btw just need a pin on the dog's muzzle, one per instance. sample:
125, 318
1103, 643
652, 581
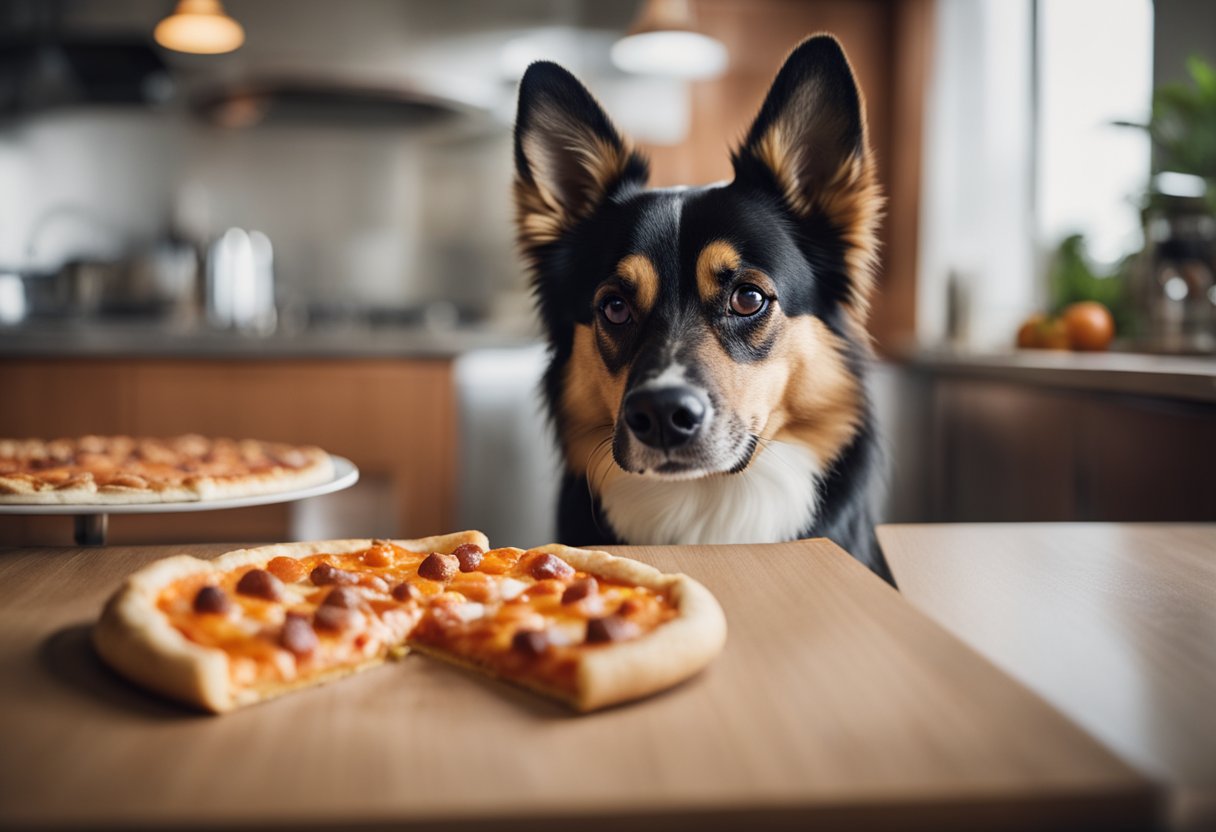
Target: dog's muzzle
665, 417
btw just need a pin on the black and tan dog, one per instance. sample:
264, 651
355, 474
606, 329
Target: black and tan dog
708, 344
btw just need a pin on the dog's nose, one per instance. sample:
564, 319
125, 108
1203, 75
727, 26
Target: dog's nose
665, 417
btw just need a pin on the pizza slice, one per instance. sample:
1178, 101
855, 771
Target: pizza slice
583, 627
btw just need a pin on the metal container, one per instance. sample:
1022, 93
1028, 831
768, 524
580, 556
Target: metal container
240, 282
1177, 290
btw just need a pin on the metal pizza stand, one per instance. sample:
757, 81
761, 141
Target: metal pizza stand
92, 520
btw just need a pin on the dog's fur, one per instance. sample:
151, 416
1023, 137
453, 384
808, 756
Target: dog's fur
782, 442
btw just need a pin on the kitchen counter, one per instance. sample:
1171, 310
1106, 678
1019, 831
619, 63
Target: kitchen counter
1112, 623
1190, 378
835, 704
163, 341
1056, 436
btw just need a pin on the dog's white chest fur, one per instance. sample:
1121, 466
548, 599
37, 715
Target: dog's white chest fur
773, 500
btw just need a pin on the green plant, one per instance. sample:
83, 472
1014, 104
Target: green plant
1183, 123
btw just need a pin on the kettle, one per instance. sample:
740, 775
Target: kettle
239, 291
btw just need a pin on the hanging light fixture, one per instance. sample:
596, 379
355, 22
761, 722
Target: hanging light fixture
201, 27
664, 41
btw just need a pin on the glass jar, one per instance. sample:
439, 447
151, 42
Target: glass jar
1177, 293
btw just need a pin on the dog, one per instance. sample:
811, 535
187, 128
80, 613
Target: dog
708, 348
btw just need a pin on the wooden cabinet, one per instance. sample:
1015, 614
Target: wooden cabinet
394, 418
1003, 451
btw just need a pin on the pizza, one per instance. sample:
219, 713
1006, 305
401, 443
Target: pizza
125, 469
583, 627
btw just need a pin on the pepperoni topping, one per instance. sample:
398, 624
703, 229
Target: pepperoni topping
580, 589
334, 618
609, 628
298, 635
406, 591
548, 566
327, 574
348, 598
260, 584
530, 642
628, 607
212, 599
439, 567
469, 555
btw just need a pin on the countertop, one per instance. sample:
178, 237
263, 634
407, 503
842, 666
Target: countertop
164, 341
1190, 378
1113, 624
835, 704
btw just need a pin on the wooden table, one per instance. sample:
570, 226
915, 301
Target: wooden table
835, 703
1113, 624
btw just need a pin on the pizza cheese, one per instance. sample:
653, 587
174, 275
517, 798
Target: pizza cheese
584, 627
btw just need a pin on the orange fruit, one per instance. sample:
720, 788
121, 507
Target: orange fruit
1040, 332
1028, 333
1089, 324
1053, 335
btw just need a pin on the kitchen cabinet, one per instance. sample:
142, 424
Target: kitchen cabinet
1008, 451
395, 418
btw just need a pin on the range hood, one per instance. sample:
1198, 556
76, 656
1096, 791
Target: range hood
38, 72
313, 101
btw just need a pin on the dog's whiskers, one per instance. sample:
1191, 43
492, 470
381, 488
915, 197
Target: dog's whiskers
765, 442
598, 469
594, 458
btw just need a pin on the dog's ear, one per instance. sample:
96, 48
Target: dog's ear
568, 156
809, 144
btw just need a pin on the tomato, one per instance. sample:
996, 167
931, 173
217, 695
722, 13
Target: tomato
1090, 326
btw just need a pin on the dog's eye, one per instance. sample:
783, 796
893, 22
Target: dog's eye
747, 300
615, 310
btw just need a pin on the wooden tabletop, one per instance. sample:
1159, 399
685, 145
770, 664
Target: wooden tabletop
1114, 624
834, 703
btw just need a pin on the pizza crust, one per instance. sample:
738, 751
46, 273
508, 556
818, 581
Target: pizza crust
109, 495
657, 660
137, 640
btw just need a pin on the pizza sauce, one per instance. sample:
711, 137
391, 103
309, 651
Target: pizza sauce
523, 615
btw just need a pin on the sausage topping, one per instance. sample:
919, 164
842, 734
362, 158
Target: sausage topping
439, 567
469, 555
212, 599
260, 584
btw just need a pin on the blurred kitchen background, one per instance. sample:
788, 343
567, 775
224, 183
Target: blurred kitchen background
306, 235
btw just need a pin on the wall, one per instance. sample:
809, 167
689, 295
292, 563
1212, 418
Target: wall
358, 216
373, 216
111, 165
1181, 28
977, 197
